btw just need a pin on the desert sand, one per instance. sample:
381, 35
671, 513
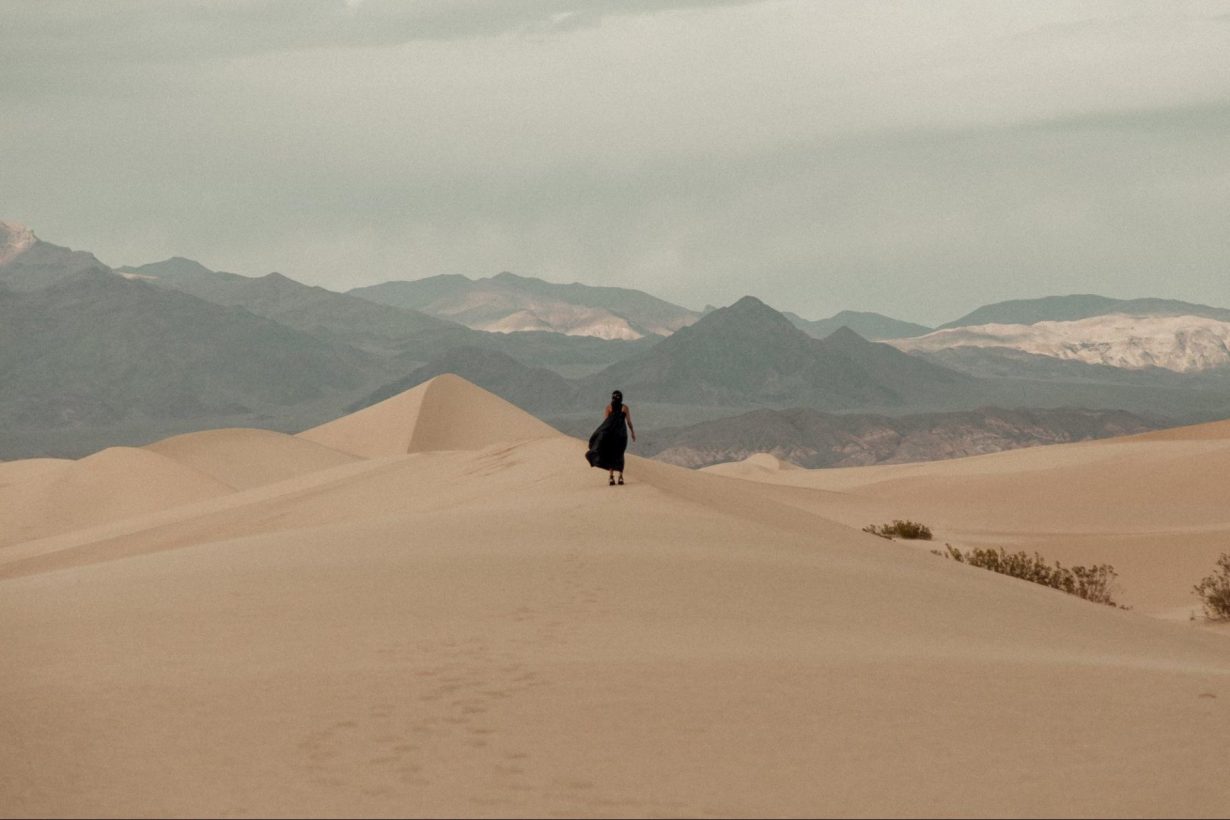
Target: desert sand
434, 607
1154, 506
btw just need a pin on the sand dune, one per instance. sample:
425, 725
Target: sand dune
52, 496
16, 472
444, 413
1152, 505
468, 621
249, 458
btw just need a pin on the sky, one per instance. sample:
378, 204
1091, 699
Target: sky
917, 159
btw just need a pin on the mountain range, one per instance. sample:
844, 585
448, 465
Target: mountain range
809, 438
508, 303
1185, 343
91, 356
28, 263
748, 353
96, 349
310, 309
873, 326
1079, 306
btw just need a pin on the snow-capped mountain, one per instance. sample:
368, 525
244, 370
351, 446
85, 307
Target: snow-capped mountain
507, 303
14, 240
1185, 344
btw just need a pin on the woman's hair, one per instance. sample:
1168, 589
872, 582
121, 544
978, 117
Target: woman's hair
617, 397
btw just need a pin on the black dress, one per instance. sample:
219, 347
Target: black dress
607, 444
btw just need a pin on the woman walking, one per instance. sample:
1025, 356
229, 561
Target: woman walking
607, 444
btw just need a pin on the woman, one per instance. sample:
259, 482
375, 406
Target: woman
607, 444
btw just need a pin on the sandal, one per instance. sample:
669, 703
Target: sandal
621, 480
612, 481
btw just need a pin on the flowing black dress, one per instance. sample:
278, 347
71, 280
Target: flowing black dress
607, 444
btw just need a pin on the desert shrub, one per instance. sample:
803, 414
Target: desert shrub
1214, 590
900, 529
1091, 583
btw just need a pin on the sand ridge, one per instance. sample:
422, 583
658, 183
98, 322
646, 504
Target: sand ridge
486, 628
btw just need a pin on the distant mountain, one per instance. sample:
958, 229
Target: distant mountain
507, 303
1080, 306
1185, 343
813, 439
872, 326
749, 353
534, 389
411, 336
95, 348
1007, 363
28, 263
311, 309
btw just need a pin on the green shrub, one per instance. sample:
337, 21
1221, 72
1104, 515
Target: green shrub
900, 529
1214, 590
1091, 583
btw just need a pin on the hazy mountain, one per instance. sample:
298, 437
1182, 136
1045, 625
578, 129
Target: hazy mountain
508, 303
28, 263
310, 309
1007, 363
97, 349
534, 389
1184, 343
810, 438
871, 326
1080, 306
749, 353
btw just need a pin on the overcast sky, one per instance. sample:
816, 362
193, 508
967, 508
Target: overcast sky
913, 158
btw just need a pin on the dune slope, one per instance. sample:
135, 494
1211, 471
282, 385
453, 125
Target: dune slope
1152, 505
48, 496
473, 623
249, 458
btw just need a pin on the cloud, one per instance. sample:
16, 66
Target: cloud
191, 29
912, 158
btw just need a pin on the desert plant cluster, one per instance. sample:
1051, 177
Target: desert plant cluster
1091, 583
1094, 583
900, 529
1214, 590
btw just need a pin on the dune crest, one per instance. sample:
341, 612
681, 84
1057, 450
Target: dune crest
444, 413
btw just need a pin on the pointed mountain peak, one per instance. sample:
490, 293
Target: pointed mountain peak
749, 303
845, 337
748, 313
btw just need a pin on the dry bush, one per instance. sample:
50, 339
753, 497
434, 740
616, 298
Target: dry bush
1091, 583
1214, 590
900, 529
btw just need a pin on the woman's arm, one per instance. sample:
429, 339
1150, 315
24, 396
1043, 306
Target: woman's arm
628, 418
